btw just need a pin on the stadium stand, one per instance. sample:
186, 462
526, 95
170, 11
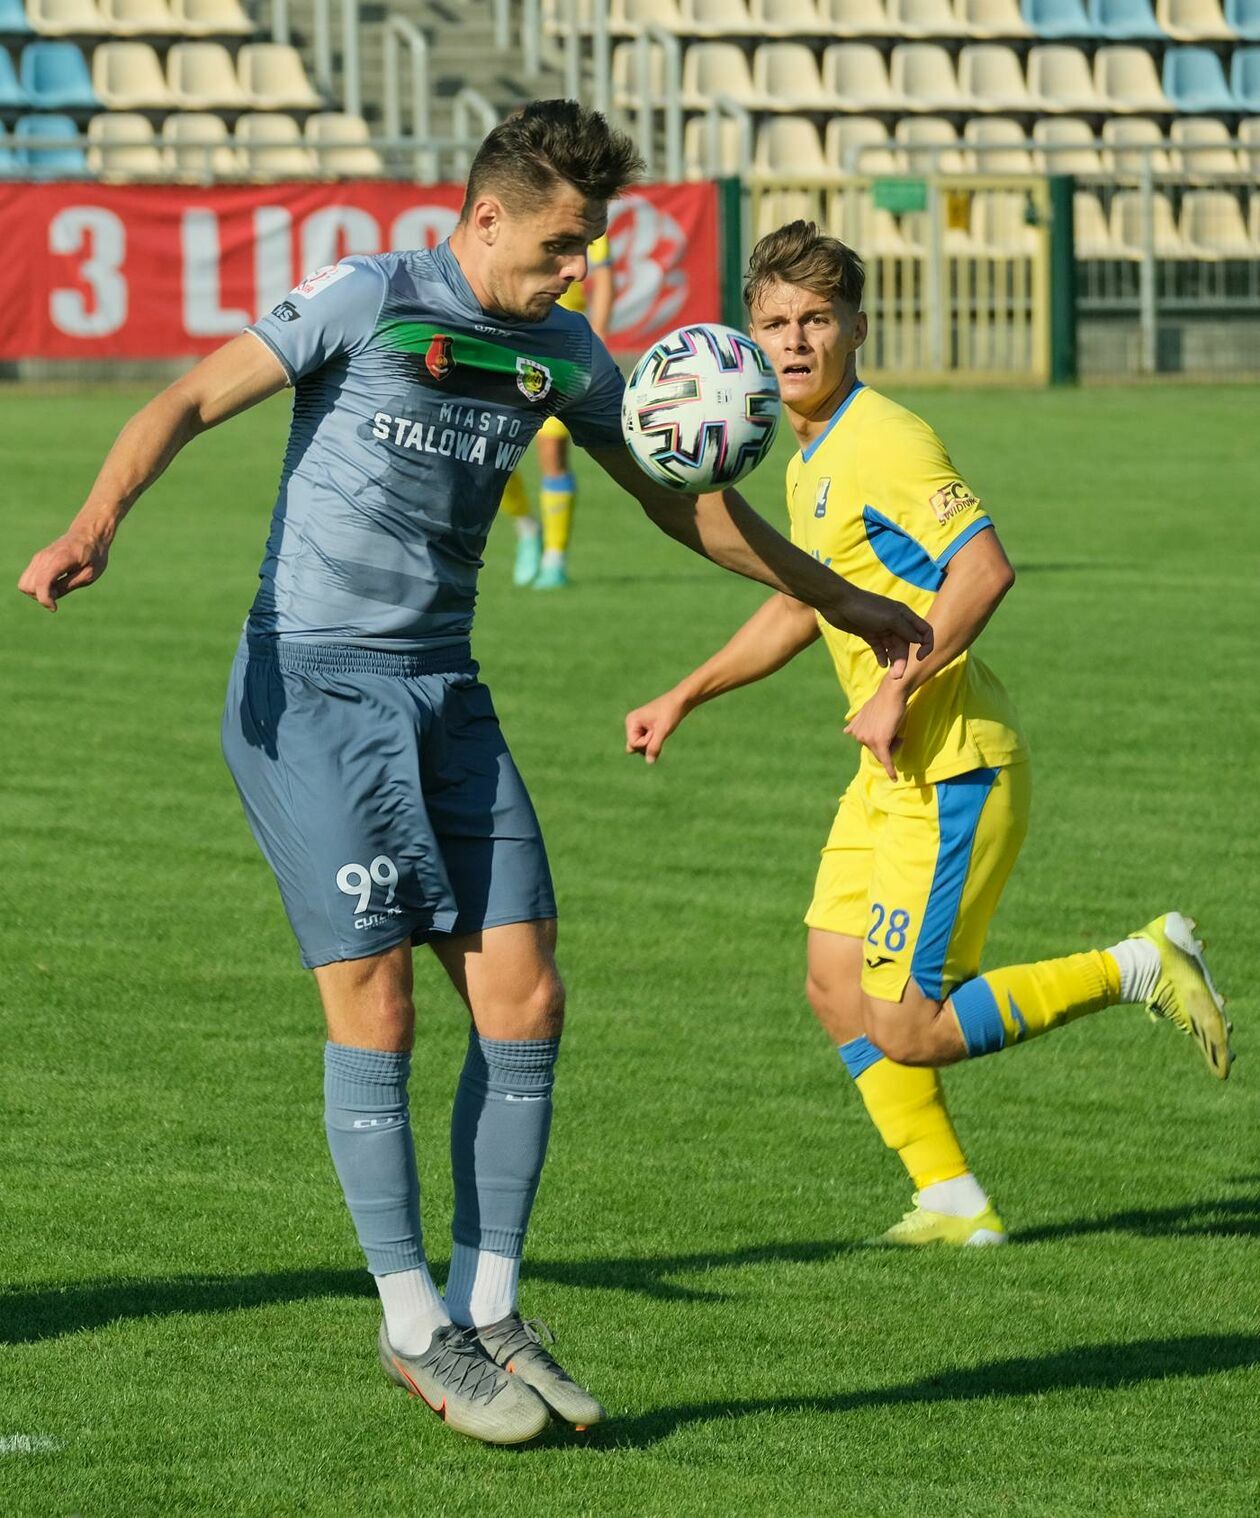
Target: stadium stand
202, 77
1126, 79
210, 18
1058, 18
1125, 21
1194, 21
1201, 149
996, 146
922, 74
64, 159
65, 18
12, 96
1134, 133
1065, 146
138, 18
54, 77
1195, 81
1244, 79
273, 147
127, 76
990, 75
122, 146
1059, 79
1243, 19
340, 142
197, 147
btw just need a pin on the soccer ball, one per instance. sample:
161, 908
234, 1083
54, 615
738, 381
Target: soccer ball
701, 408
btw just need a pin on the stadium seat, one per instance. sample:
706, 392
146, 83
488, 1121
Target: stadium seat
786, 18
1133, 133
871, 231
626, 18
776, 207
855, 71
715, 18
275, 78
1194, 80
922, 74
856, 18
121, 145
1092, 233
138, 18
996, 145
127, 76
625, 74
10, 164
1212, 223
785, 75
57, 162
999, 223
1253, 218
12, 96
1127, 225
696, 148
1196, 21
201, 77
14, 22
717, 68
197, 148
65, 18
790, 145
915, 134
1057, 18
990, 74
1243, 18
925, 18
278, 151
983, 19
1249, 136
1065, 146
54, 76
1125, 20
1244, 76
1201, 148
1059, 79
860, 145
1127, 80
341, 146
211, 18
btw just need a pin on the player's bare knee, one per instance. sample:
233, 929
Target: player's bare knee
898, 1037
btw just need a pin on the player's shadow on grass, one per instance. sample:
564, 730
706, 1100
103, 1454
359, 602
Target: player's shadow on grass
1216, 1218
1090, 1367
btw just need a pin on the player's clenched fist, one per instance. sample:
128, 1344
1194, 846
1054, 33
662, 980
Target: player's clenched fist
647, 727
69, 563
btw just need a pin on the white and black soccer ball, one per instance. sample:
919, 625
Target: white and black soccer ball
701, 408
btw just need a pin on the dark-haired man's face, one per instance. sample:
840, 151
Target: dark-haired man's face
810, 340
529, 258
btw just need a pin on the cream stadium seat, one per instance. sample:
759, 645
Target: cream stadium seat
696, 148
271, 147
925, 18
955, 240
716, 18
273, 77
1127, 80
625, 74
996, 146
999, 222
917, 135
856, 18
1127, 230
717, 68
922, 73
1060, 80
1133, 133
788, 146
211, 18
984, 19
990, 74
1065, 146
197, 148
127, 76
1092, 233
1212, 223
1201, 148
776, 208
340, 144
855, 71
139, 18
121, 146
872, 232
201, 77
626, 18
786, 76
860, 145
1253, 220
65, 18
786, 18
1249, 136
1194, 21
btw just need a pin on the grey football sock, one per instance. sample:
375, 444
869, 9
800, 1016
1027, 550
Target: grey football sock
369, 1133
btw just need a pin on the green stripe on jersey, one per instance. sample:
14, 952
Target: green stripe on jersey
476, 353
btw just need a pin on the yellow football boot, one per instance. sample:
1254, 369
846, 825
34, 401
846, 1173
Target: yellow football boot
919, 1226
1184, 993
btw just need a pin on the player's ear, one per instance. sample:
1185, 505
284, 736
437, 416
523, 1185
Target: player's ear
859, 330
487, 219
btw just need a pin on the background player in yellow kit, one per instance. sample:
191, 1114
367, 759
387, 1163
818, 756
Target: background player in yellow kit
928, 831
541, 555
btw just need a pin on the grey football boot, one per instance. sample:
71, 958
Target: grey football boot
454, 1377
515, 1343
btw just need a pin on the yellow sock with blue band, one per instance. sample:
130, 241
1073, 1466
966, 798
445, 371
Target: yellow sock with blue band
907, 1106
556, 502
1021, 1002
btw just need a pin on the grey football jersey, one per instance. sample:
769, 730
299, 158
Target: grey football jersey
411, 408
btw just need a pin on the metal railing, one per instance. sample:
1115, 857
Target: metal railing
668, 103
400, 33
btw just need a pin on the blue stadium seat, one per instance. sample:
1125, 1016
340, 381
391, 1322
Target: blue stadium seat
1195, 81
14, 21
1125, 20
1244, 17
54, 162
1244, 75
1057, 18
55, 76
12, 95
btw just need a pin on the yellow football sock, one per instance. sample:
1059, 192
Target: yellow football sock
556, 501
515, 499
907, 1106
1018, 1003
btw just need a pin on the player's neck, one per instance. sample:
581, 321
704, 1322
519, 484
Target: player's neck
811, 424
464, 251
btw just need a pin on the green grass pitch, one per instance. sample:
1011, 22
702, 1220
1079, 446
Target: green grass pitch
185, 1325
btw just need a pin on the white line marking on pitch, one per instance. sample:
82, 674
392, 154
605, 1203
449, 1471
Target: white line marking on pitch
28, 1444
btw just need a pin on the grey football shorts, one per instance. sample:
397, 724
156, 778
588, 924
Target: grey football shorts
380, 788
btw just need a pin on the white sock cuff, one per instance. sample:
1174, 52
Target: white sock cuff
1137, 959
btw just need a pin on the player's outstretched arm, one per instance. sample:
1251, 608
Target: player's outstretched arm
775, 633
236, 376
722, 526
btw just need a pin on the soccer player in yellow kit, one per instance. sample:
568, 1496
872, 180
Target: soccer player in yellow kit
542, 557
928, 831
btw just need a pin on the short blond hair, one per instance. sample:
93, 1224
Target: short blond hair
800, 254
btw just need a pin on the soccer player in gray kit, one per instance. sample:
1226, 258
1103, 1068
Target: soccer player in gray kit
367, 752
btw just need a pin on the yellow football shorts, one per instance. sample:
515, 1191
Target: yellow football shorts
553, 427
916, 872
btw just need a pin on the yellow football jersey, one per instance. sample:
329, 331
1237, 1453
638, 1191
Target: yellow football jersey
597, 255
878, 499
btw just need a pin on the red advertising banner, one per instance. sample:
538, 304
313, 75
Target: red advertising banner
167, 271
